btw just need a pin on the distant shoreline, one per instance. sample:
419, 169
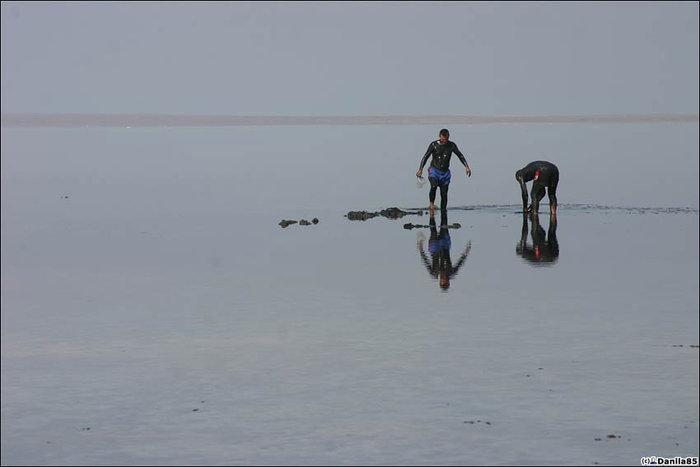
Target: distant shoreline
36, 120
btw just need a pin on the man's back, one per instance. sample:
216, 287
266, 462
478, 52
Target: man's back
539, 170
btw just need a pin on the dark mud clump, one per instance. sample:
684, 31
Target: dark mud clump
361, 215
389, 213
287, 222
410, 226
284, 223
396, 213
611, 436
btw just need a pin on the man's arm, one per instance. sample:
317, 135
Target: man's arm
462, 258
523, 192
462, 159
419, 173
424, 257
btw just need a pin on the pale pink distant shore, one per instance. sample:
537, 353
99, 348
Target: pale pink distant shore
149, 120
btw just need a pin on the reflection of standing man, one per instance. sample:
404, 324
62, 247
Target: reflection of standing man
545, 248
440, 266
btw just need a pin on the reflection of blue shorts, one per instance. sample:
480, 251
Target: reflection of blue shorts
442, 177
441, 243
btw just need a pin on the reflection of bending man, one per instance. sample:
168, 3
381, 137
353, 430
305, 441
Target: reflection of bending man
545, 248
440, 267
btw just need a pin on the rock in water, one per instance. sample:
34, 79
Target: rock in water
286, 222
361, 215
396, 213
389, 213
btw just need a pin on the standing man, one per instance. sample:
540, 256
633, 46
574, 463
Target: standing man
543, 175
439, 171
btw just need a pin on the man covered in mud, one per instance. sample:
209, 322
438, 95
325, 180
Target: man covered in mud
440, 266
439, 174
543, 175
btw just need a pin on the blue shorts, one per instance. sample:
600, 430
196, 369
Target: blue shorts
441, 243
442, 177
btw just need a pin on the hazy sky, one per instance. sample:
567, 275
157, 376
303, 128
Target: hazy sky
354, 58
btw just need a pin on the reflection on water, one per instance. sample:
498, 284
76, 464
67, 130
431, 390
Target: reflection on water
440, 264
545, 247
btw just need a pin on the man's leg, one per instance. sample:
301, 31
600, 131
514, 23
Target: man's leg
432, 193
552, 192
537, 194
443, 219
443, 196
433, 229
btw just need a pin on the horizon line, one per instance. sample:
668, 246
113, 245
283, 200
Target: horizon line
150, 120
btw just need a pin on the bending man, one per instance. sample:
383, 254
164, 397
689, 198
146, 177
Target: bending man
543, 175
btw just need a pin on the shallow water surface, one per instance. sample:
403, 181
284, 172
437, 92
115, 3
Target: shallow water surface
204, 342
144, 325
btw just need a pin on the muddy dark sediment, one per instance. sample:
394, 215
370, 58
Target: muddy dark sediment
389, 213
287, 222
410, 226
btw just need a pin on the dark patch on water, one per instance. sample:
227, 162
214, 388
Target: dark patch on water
587, 208
390, 213
287, 222
411, 225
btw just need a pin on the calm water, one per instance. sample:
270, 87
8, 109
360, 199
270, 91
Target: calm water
153, 312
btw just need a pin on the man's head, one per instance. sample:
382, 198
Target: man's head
444, 135
444, 281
